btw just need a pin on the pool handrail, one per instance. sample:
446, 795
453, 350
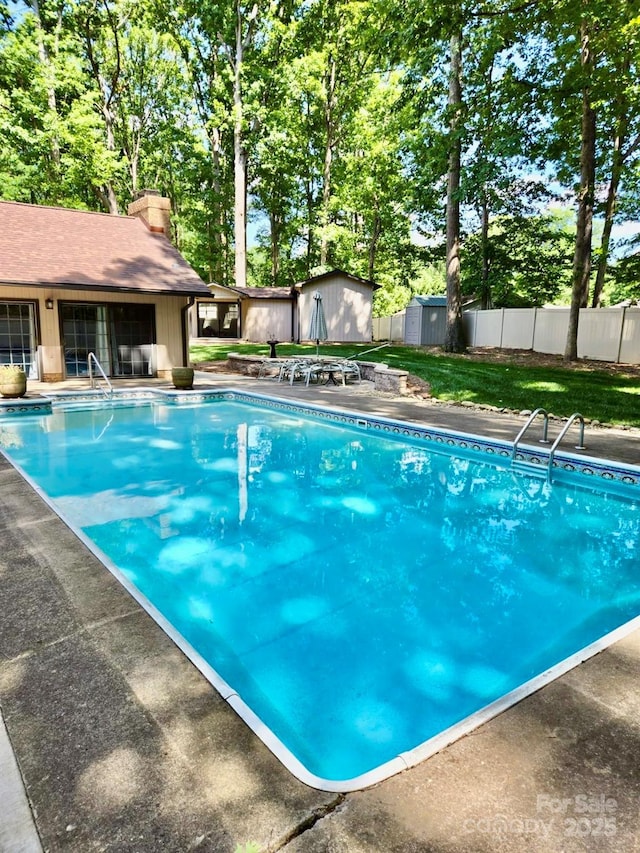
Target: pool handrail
576, 416
530, 420
93, 358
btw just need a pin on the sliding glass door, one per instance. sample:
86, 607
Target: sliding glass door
120, 335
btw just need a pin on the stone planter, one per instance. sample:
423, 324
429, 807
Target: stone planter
182, 377
13, 382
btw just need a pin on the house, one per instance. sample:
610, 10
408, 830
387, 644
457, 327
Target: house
284, 313
74, 282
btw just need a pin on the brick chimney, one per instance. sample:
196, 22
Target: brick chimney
154, 210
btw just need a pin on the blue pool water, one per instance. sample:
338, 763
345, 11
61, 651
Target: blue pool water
360, 593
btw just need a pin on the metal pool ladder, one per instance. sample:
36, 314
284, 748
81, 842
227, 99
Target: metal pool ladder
93, 359
576, 416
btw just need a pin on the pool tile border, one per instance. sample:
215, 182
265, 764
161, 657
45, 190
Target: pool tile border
451, 440
527, 458
11, 408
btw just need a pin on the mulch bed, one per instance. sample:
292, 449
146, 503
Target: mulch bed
528, 358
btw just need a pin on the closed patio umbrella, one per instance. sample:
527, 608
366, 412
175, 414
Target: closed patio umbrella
318, 324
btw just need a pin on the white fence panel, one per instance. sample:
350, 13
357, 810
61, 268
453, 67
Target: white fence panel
630, 343
389, 328
551, 330
599, 333
398, 322
381, 328
605, 334
488, 331
469, 326
518, 326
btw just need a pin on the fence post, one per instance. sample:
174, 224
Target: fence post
620, 339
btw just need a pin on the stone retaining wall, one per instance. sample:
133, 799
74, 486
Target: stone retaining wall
384, 378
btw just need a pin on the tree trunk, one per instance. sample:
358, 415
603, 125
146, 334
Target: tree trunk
108, 191
219, 236
617, 162
485, 284
329, 118
239, 163
274, 225
49, 75
454, 336
373, 244
584, 224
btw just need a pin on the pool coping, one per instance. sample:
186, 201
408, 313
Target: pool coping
449, 440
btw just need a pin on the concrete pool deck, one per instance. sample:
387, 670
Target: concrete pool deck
122, 745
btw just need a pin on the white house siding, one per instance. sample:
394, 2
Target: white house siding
50, 354
347, 306
266, 319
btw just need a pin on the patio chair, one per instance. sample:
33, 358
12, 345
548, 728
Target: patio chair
311, 370
350, 368
290, 369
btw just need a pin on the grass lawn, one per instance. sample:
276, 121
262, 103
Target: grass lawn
598, 394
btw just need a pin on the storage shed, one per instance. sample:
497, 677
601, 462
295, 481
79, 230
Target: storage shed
284, 313
348, 306
426, 321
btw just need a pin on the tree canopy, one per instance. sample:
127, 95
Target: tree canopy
386, 137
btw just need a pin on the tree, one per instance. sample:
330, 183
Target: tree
529, 259
454, 335
621, 128
584, 224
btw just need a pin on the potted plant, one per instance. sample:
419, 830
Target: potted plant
13, 381
182, 377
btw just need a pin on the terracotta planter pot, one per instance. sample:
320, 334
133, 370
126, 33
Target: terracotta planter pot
14, 385
182, 377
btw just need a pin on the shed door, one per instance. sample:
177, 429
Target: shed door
413, 324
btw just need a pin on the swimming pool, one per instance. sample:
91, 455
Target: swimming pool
360, 591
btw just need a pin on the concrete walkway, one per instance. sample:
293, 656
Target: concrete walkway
124, 746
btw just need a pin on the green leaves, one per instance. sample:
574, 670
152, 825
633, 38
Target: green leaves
342, 121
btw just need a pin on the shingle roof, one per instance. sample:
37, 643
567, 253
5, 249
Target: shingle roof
431, 301
337, 272
55, 246
264, 292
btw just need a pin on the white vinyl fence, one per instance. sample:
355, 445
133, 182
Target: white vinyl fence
604, 334
389, 328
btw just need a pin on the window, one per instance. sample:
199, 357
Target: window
218, 319
17, 336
